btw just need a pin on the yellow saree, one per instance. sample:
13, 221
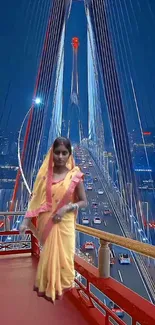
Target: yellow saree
55, 273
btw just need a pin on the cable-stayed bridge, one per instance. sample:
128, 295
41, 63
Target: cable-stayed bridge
47, 115
101, 74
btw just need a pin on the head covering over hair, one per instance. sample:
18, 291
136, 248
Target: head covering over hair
41, 198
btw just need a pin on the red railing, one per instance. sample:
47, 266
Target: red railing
22, 246
139, 309
16, 247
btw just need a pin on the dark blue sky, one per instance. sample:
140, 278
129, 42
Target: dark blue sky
132, 26
22, 29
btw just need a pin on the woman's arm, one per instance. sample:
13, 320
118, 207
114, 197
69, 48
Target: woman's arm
81, 203
81, 194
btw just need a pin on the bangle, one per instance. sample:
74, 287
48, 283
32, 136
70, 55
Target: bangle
72, 207
75, 206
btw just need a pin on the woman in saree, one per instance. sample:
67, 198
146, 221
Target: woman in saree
57, 195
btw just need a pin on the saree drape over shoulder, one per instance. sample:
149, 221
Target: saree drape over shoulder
55, 273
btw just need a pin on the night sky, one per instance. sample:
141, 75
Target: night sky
23, 24
132, 25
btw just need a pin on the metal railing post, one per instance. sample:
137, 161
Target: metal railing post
104, 259
7, 223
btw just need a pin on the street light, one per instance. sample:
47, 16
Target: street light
38, 101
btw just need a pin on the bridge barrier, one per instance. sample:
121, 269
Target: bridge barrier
140, 310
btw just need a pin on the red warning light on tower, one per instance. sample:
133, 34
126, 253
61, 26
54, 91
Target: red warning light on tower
75, 43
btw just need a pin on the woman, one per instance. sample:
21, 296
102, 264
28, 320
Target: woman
58, 194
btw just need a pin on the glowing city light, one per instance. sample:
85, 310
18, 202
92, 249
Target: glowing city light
143, 170
37, 100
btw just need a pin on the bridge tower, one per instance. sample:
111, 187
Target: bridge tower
74, 121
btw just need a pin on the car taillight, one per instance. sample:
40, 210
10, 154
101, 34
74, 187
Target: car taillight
116, 310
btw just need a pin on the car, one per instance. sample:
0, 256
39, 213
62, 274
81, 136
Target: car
107, 211
116, 309
85, 220
89, 245
100, 192
90, 183
87, 173
89, 188
95, 179
94, 205
97, 221
84, 167
90, 164
124, 258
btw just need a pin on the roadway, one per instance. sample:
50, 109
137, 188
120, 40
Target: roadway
128, 275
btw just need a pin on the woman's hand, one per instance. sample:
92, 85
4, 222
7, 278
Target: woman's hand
62, 211
59, 215
57, 218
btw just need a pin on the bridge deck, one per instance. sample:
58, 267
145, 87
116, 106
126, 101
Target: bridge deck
20, 305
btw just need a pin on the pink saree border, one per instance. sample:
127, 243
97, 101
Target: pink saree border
43, 208
65, 200
43, 294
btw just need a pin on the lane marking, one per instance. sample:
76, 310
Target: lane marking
113, 252
120, 275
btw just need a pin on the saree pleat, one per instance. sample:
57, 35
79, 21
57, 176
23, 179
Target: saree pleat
55, 271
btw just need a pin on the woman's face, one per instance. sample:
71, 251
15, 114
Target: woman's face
60, 156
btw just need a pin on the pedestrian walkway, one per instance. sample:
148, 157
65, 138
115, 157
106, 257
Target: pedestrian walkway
19, 305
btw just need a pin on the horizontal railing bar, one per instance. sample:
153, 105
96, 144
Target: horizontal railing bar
12, 213
133, 245
14, 232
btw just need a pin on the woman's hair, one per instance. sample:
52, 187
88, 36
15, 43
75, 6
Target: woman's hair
65, 141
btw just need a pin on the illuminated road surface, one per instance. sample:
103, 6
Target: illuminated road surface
128, 275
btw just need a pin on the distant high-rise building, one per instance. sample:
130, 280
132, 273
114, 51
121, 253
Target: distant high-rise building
8, 159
